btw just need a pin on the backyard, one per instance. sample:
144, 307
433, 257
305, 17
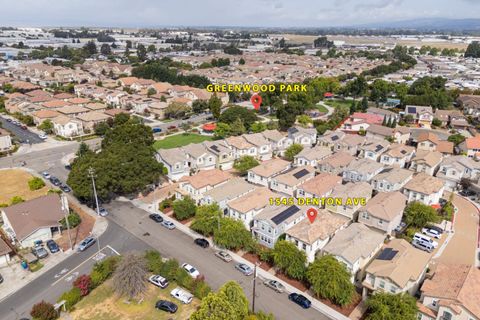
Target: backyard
103, 304
180, 140
14, 182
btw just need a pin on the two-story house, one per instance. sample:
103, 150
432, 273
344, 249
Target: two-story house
336, 163
303, 136
362, 170
311, 156
265, 171
398, 155
471, 146
175, 161
455, 168
398, 134
391, 179
330, 138
289, 181
429, 142
347, 199
421, 114
67, 127
351, 144
424, 188
195, 186
373, 149
426, 161
198, 157
241, 147
264, 147
224, 155
279, 142
231, 190
321, 186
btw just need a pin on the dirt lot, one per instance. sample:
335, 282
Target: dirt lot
14, 182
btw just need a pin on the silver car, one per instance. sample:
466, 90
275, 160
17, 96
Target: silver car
168, 224
224, 256
245, 269
275, 285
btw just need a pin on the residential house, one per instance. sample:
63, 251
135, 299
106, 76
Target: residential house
263, 146
311, 156
360, 122
445, 116
274, 221
67, 127
265, 171
387, 115
245, 208
330, 138
362, 170
278, 141
45, 114
421, 114
303, 136
289, 181
5, 141
398, 134
336, 163
455, 168
175, 161
221, 195
470, 104
384, 211
424, 188
429, 141
92, 118
398, 155
351, 144
391, 179
459, 122
450, 293
321, 186
195, 186
426, 161
399, 268
471, 146
373, 149
351, 197
241, 147
224, 155
5, 252
72, 111
34, 220
312, 237
198, 157
354, 247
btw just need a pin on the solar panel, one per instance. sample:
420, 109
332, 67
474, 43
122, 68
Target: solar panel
285, 214
403, 152
301, 173
378, 147
387, 254
412, 110
215, 148
293, 130
335, 138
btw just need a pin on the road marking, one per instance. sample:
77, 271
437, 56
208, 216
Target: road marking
115, 251
61, 273
99, 256
71, 277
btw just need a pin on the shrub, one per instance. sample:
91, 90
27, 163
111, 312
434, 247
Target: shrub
154, 261
201, 289
169, 269
184, 209
44, 311
97, 279
84, 283
73, 220
36, 183
105, 268
265, 254
16, 200
71, 297
184, 279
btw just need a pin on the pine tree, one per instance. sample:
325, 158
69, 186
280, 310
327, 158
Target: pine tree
389, 122
384, 122
394, 123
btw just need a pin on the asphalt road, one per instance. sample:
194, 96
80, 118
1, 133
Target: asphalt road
24, 136
177, 123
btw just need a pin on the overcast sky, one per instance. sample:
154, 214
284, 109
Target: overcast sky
269, 13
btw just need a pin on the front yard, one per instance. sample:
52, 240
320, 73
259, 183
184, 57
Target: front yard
180, 140
103, 304
14, 182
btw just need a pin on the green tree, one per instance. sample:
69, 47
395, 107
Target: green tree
152, 49
473, 50
286, 115
330, 279
236, 297
387, 306
141, 52
364, 104
237, 128
288, 258
258, 127
154, 261
356, 87
151, 92
215, 106
128, 44
241, 61
90, 48
436, 122
16, 200
35, 183
199, 106
222, 130
46, 126
232, 234
207, 219
419, 215
184, 208
245, 163
292, 151
101, 128
304, 120
456, 138
105, 49
215, 306
231, 114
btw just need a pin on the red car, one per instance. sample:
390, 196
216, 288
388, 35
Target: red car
172, 127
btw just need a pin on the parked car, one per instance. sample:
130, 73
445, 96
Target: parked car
46, 175
167, 306
86, 243
299, 299
400, 227
201, 242
55, 181
431, 233
245, 269
438, 229
103, 212
42, 136
159, 281
182, 295
157, 130
422, 245
9, 120
168, 224
224, 256
24, 127
39, 252
172, 127
192, 271
423, 238
68, 167
275, 285
65, 188
52, 246
156, 217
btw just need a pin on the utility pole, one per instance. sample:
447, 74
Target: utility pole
91, 174
254, 285
66, 213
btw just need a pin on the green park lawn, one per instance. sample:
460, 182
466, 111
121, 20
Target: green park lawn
180, 140
338, 103
321, 108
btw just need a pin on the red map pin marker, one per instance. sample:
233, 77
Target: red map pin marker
312, 214
256, 100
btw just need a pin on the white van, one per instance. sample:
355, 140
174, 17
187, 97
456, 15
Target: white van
425, 246
183, 295
423, 238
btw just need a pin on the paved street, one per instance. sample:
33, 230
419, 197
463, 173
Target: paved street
21, 134
194, 119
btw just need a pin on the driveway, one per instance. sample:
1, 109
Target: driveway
462, 247
21, 134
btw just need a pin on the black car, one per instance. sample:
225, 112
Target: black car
156, 217
65, 188
201, 242
438, 229
166, 306
301, 300
52, 246
55, 181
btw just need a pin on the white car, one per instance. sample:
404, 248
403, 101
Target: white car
431, 233
159, 281
46, 175
42, 136
192, 271
182, 295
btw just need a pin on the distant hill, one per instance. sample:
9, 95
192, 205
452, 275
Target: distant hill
428, 24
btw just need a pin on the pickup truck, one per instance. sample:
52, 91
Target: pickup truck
182, 295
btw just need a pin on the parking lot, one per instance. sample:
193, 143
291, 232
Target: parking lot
22, 135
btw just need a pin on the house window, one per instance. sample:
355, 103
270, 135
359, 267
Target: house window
393, 289
434, 302
365, 215
304, 246
446, 315
382, 284
380, 221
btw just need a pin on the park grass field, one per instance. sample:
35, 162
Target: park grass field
180, 140
14, 182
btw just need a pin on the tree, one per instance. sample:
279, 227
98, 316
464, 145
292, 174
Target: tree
215, 306
330, 279
237, 128
44, 311
152, 49
84, 283
215, 105
176, 110
101, 128
199, 106
322, 42
364, 104
436, 122
128, 44
419, 215
90, 48
286, 116
245, 163
206, 219
46, 126
356, 87
292, 151
231, 114
258, 127
105, 49
222, 130
288, 258
241, 61
151, 92
35, 184
387, 306
473, 50
130, 277
232, 234
456, 138
141, 52
184, 208
236, 297
304, 120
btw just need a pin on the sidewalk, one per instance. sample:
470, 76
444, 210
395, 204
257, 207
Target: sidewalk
262, 274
